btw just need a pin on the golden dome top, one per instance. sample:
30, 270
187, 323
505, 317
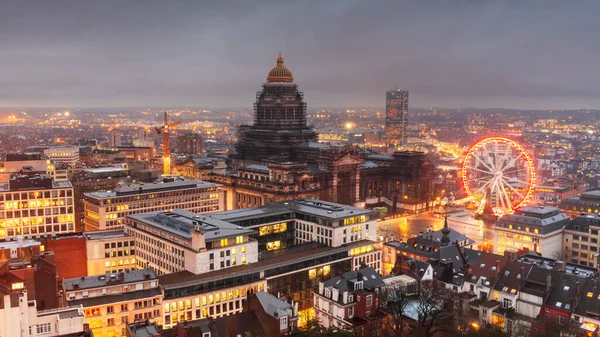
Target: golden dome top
280, 73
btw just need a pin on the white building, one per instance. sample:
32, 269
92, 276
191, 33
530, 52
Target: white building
65, 154
537, 228
169, 242
289, 223
35, 206
19, 317
107, 210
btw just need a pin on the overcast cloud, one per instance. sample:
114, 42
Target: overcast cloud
448, 53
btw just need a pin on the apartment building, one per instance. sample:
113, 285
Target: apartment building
109, 252
111, 301
534, 228
35, 205
19, 317
107, 210
581, 240
169, 242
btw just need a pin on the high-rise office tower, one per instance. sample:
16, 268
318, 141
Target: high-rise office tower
396, 116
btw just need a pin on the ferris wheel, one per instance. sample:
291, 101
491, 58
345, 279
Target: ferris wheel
500, 171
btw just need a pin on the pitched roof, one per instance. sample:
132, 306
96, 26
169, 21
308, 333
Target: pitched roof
566, 292
512, 277
273, 306
368, 276
589, 303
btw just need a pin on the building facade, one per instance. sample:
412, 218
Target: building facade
581, 240
107, 210
109, 252
112, 301
351, 301
396, 116
35, 205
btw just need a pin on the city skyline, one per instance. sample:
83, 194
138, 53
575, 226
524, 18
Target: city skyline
464, 54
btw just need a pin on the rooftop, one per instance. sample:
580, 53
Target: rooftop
318, 208
98, 281
182, 223
134, 189
104, 234
100, 170
273, 306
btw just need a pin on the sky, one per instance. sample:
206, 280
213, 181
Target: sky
533, 54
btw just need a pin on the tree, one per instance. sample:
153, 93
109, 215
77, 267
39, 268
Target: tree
395, 302
436, 308
433, 310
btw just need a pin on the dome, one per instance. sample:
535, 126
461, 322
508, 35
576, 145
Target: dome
280, 73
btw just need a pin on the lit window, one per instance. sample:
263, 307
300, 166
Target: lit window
224, 242
18, 285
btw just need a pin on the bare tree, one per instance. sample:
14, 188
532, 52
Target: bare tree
436, 308
394, 302
432, 310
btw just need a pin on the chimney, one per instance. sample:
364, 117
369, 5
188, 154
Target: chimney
578, 290
560, 265
522, 273
497, 267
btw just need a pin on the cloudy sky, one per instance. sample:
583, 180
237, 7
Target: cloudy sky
449, 53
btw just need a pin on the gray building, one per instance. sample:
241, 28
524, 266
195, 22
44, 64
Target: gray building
536, 228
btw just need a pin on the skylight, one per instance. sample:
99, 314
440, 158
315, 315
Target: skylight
566, 288
482, 265
567, 306
365, 278
506, 273
559, 304
590, 294
338, 281
513, 291
373, 276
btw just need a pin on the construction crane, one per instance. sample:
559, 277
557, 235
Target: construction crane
166, 142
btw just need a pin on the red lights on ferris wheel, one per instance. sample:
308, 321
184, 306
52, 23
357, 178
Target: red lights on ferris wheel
502, 168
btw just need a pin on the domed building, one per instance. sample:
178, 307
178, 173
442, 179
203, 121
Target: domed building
279, 121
